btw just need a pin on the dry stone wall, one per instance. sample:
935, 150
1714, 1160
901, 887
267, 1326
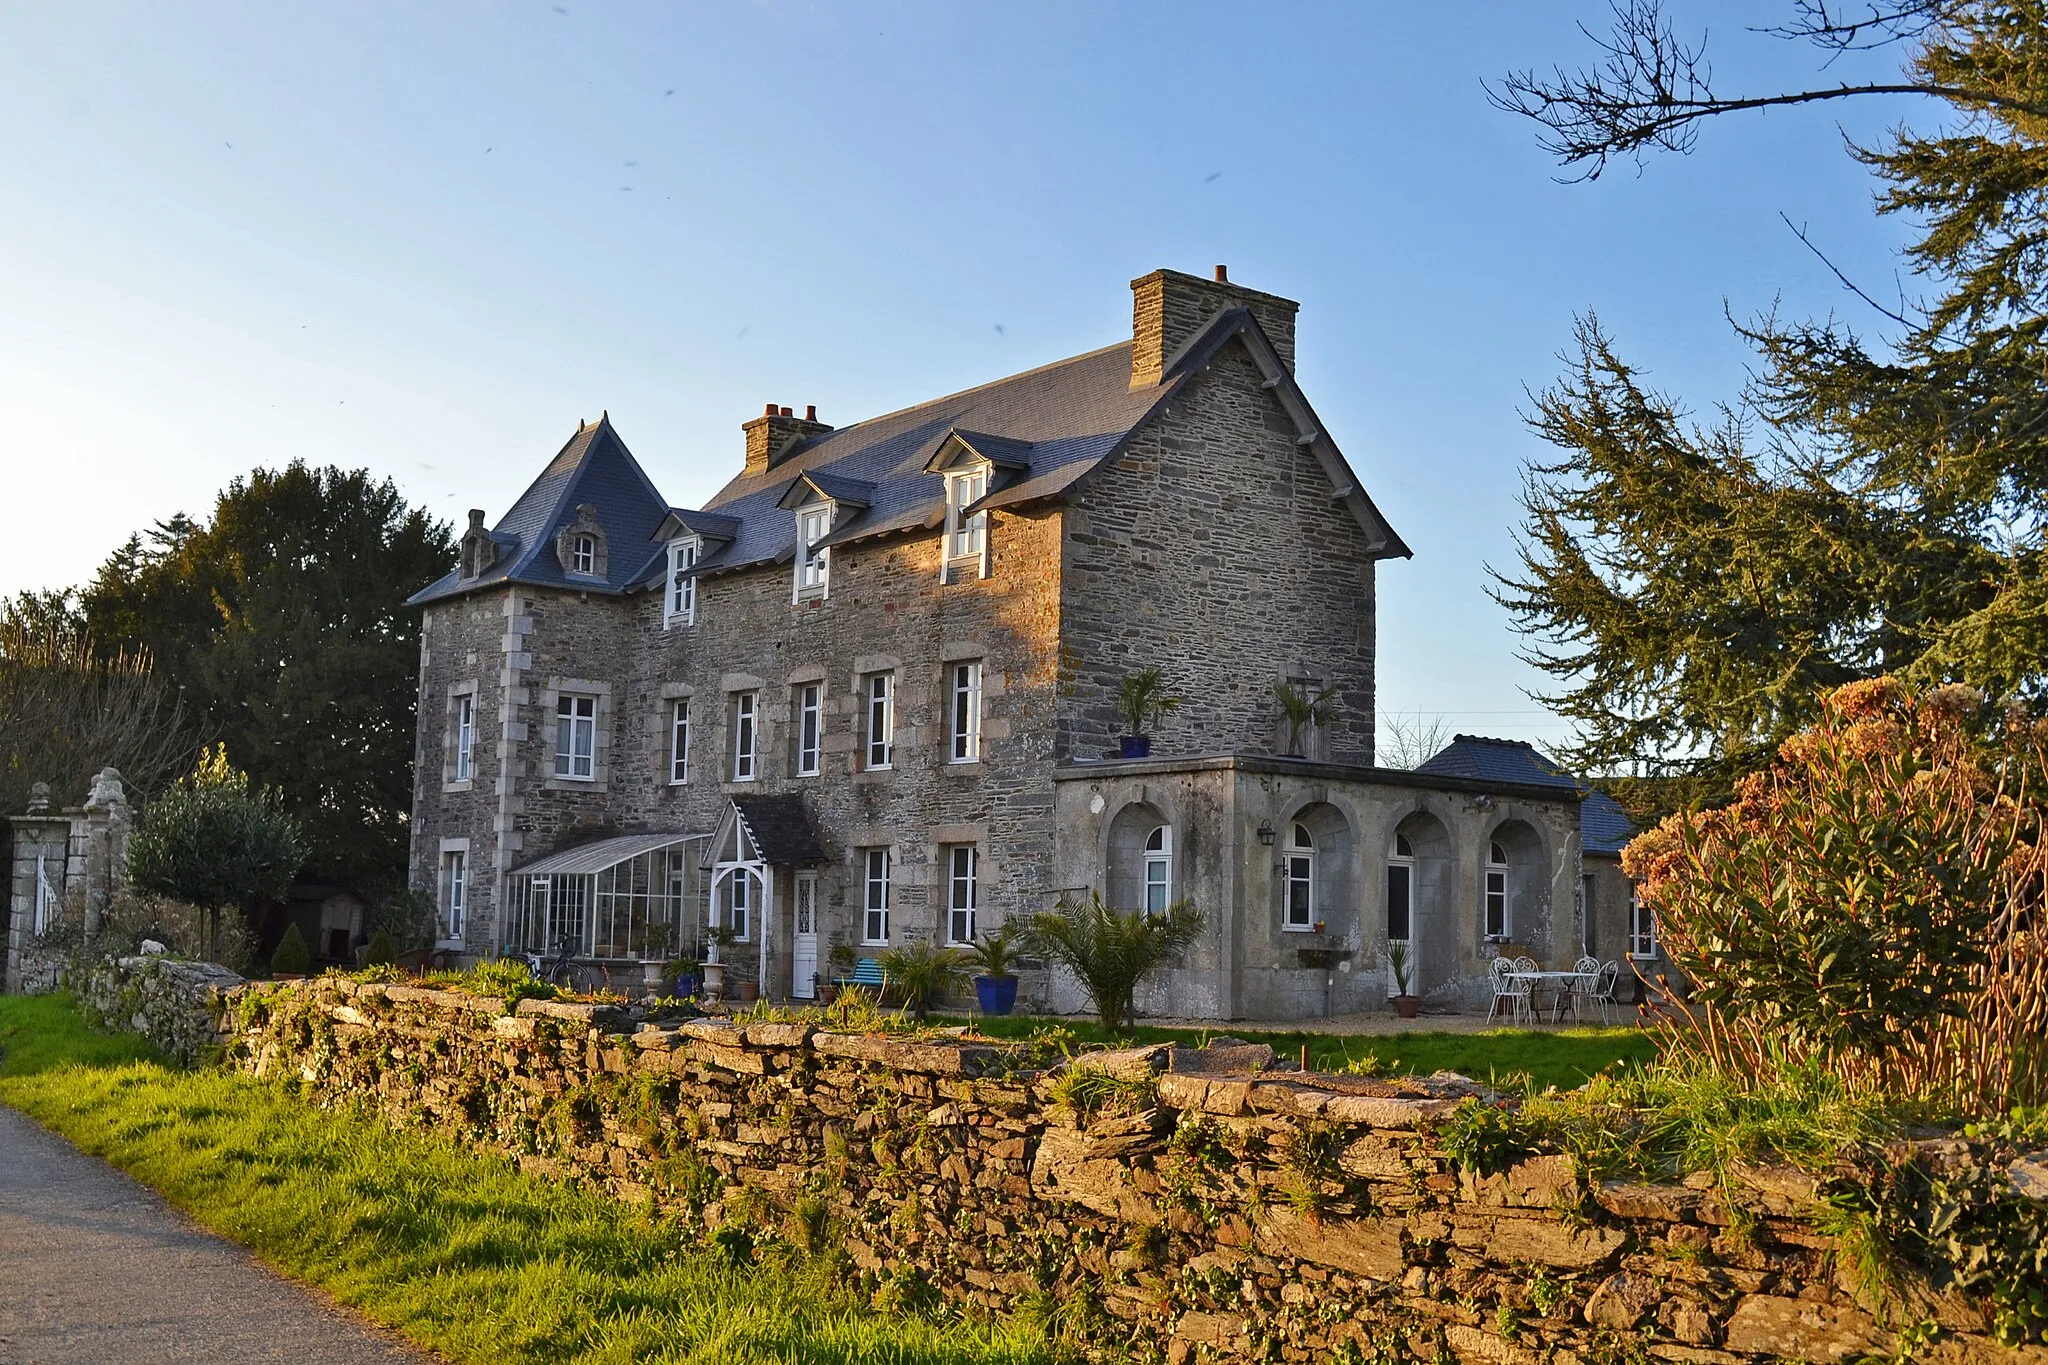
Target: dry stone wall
1182, 1205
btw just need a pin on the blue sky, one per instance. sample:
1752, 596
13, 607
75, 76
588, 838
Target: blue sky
427, 239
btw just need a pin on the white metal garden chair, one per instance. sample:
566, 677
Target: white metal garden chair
1509, 993
1601, 991
1584, 976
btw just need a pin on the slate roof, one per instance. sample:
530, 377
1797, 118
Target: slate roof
1604, 827
1045, 431
782, 830
1497, 760
1067, 415
593, 467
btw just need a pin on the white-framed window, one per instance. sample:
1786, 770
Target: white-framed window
576, 736
874, 920
679, 742
967, 533
1159, 870
966, 713
810, 728
739, 905
1499, 923
746, 738
1642, 928
813, 564
682, 590
881, 691
454, 892
465, 735
1300, 862
963, 892
583, 554
1401, 891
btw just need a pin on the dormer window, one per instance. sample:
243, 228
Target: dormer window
813, 562
681, 605
580, 546
966, 541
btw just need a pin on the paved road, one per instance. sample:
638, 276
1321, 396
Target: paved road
94, 1269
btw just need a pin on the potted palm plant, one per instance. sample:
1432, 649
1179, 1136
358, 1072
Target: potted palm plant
1304, 711
1142, 701
995, 988
1405, 1004
923, 973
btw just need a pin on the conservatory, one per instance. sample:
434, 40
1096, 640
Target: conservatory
634, 897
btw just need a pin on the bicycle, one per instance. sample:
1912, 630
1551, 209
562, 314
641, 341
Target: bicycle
556, 968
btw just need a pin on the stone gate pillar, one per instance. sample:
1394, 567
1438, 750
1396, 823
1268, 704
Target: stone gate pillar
37, 866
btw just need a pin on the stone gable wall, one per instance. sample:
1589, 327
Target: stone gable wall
1213, 548
1229, 1211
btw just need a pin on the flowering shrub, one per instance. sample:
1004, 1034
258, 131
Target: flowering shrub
1872, 902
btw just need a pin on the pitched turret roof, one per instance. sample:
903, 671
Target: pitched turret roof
594, 467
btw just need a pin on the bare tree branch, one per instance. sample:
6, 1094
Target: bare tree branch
1847, 283
1649, 90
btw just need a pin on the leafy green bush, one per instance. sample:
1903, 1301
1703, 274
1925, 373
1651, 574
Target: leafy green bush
1868, 902
381, 951
1111, 950
212, 841
291, 957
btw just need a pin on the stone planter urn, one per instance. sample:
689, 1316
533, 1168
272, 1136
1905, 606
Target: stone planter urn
714, 980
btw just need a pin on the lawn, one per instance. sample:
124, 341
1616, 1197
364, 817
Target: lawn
1565, 1058
454, 1248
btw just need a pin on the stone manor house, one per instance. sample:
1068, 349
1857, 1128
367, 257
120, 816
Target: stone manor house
866, 695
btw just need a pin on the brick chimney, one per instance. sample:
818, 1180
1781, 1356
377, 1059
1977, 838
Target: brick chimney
770, 435
1168, 307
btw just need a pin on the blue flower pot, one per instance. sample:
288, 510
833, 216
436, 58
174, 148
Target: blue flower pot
1134, 746
687, 985
996, 994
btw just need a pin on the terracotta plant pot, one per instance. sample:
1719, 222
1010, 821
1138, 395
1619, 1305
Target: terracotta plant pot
1407, 1006
828, 991
749, 991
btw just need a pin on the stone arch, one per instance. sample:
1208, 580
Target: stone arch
1130, 831
1515, 857
1433, 924
1332, 845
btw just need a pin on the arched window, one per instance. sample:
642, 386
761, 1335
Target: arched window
1300, 912
583, 556
1158, 890
1401, 891
1498, 922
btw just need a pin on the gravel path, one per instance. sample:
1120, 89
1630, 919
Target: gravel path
95, 1268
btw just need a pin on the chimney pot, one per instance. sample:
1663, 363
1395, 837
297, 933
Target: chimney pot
1223, 274
768, 411
810, 412
787, 413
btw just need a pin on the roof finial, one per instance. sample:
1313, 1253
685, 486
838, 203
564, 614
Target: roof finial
579, 424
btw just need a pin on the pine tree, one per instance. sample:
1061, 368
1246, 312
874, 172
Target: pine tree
1868, 507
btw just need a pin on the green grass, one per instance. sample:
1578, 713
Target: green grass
1564, 1058
454, 1248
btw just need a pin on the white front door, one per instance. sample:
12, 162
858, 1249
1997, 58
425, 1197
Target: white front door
803, 954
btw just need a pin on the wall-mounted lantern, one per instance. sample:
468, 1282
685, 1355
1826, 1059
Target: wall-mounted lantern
1266, 833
